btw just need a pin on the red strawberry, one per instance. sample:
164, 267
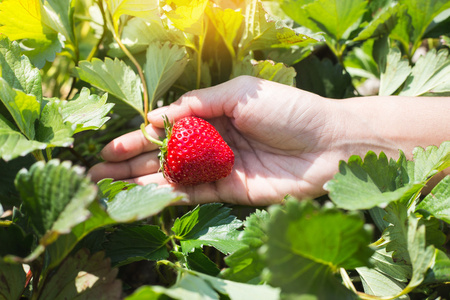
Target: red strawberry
194, 153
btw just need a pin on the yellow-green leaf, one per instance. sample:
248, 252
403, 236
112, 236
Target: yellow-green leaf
266, 69
262, 33
24, 109
25, 22
27, 19
146, 9
188, 15
227, 23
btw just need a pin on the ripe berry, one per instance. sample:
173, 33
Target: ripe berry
194, 153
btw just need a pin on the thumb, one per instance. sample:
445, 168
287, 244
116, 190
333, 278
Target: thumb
206, 103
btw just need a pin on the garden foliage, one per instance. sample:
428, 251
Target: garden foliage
77, 73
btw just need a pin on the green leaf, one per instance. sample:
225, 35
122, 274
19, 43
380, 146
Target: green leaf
359, 61
377, 214
195, 285
60, 15
396, 233
295, 10
377, 181
114, 77
393, 269
378, 284
87, 112
372, 182
134, 243
422, 14
433, 230
227, 23
31, 21
55, 197
430, 72
12, 280
381, 24
439, 26
402, 31
211, 225
65, 243
265, 69
83, 276
440, 270
246, 264
261, 33
241, 291
421, 256
94, 240
199, 262
188, 16
52, 129
146, 9
336, 18
137, 35
288, 56
189, 287
18, 71
14, 241
308, 245
13, 143
140, 202
110, 189
324, 78
9, 195
164, 64
437, 202
430, 161
24, 109
393, 71
189, 82
406, 237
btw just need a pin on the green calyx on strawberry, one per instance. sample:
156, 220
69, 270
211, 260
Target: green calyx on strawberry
194, 152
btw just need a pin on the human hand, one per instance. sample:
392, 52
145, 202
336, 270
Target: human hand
281, 137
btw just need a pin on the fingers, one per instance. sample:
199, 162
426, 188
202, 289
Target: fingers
130, 145
207, 103
147, 163
198, 194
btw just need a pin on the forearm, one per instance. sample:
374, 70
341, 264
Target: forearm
393, 123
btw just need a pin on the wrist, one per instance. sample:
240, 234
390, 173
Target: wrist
390, 124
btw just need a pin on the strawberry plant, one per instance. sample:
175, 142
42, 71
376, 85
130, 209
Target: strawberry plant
74, 74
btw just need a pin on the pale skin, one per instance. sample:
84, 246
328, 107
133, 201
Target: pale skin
285, 140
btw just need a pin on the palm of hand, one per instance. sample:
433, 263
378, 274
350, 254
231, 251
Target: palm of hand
267, 165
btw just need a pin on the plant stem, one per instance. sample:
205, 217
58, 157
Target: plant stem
378, 243
97, 45
148, 137
347, 281
201, 42
339, 52
174, 244
140, 71
38, 155
48, 152
199, 62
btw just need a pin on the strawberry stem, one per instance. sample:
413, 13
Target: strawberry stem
148, 137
